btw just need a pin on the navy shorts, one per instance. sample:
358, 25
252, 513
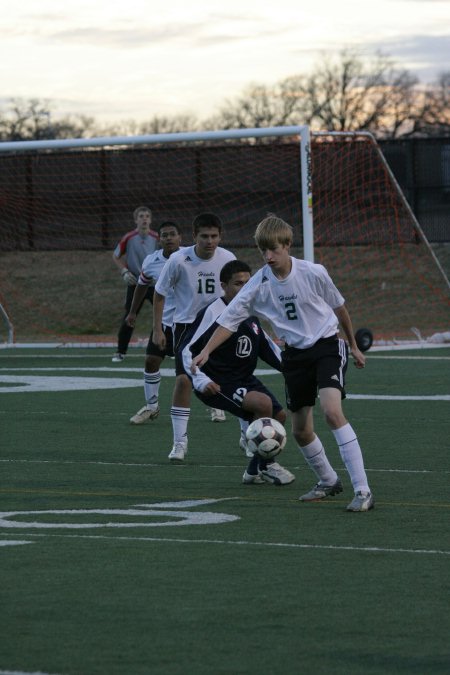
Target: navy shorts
181, 336
231, 396
306, 371
154, 350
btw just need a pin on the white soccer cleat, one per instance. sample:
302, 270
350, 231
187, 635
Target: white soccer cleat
244, 446
218, 415
277, 475
118, 358
251, 479
178, 452
362, 501
320, 491
144, 415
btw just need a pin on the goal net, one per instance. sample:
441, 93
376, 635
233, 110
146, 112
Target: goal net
65, 204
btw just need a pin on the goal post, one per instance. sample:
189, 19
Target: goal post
9, 326
302, 132
71, 200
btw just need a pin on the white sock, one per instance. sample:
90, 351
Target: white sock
314, 454
180, 419
244, 424
151, 388
352, 457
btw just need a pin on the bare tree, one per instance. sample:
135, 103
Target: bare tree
350, 93
33, 119
155, 125
434, 118
345, 93
260, 106
342, 93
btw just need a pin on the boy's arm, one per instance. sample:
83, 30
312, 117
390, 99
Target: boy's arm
158, 338
346, 324
120, 261
139, 294
200, 381
269, 351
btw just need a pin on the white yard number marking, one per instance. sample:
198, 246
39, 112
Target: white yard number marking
169, 514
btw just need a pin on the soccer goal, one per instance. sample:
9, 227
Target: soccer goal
65, 203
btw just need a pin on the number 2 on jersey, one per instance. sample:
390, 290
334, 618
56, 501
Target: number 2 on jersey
291, 312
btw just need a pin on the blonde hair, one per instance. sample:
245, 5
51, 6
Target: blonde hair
273, 231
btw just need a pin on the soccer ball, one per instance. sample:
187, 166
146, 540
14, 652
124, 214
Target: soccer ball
364, 339
266, 436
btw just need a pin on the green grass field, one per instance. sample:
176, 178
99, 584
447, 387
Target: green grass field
115, 562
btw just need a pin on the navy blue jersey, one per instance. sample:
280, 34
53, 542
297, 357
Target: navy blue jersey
236, 359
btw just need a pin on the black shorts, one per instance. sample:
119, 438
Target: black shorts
306, 371
231, 396
154, 350
181, 336
130, 294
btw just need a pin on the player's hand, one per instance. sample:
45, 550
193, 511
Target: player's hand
211, 389
131, 319
159, 339
358, 357
199, 361
128, 277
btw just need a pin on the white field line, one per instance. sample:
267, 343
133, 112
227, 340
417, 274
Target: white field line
22, 672
150, 465
412, 358
13, 542
117, 383
263, 544
394, 345
400, 397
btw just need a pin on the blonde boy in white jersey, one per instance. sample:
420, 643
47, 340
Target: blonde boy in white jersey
304, 308
194, 277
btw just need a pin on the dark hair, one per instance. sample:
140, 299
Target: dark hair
169, 223
233, 267
206, 220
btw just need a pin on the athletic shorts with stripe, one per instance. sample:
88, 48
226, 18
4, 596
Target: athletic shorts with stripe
306, 371
181, 336
154, 350
231, 396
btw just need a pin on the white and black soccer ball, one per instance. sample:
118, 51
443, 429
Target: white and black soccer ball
266, 436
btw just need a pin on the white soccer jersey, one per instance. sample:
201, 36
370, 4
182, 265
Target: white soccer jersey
150, 271
195, 281
299, 307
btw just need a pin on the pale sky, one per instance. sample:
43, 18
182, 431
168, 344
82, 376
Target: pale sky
133, 59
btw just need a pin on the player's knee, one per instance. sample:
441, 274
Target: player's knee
303, 437
152, 364
281, 416
334, 416
331, 405
183, 383
258, 403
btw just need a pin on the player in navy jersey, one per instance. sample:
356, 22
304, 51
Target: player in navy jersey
170, 238
304, 307
227, 380
193, 277
128, 257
